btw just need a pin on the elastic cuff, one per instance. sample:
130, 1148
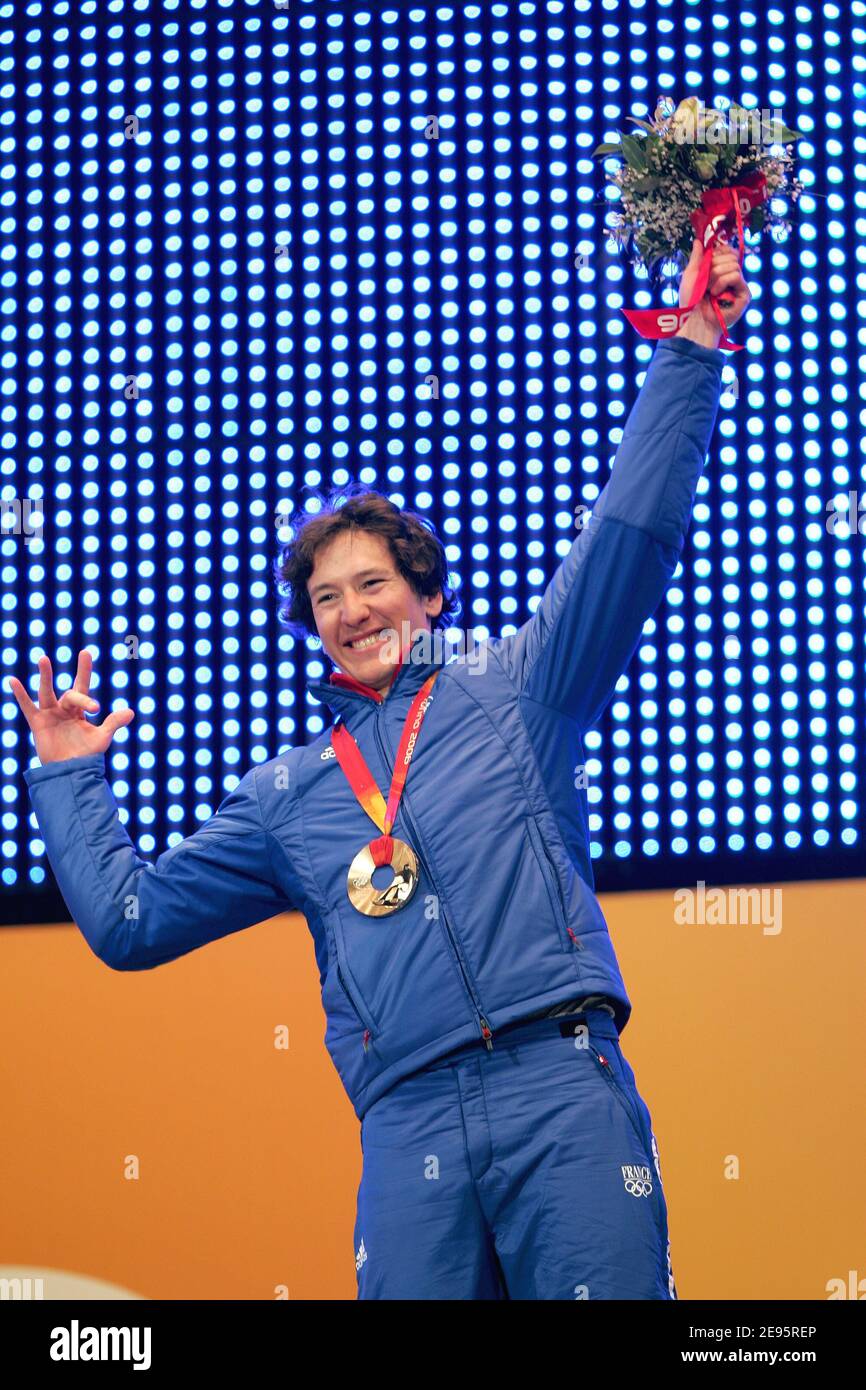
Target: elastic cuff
714, 357
44, 771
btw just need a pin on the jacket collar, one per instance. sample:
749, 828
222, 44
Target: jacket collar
343, 693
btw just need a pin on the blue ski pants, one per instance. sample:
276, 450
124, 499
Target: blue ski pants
530, 1171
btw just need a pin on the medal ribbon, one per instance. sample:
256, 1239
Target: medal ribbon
711, 221
362, 781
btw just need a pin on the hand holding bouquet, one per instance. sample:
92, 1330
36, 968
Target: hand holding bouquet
693, 174
725, 284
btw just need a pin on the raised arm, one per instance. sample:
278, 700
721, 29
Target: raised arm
569, 655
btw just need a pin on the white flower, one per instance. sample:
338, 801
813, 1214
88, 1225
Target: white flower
684, 122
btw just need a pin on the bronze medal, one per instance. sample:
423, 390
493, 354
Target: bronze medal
385, 850
376, 902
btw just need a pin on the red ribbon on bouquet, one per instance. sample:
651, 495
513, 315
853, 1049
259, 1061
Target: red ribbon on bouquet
713, 221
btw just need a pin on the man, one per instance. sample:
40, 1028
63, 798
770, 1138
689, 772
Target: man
473, 998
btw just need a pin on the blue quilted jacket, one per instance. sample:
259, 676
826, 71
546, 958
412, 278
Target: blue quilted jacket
504, 922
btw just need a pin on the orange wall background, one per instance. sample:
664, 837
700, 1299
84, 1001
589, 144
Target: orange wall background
742, 1044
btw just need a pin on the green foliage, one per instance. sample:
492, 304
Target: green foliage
605, 150
633, 150
663, 179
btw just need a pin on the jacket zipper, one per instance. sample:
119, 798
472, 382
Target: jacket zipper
484, 1027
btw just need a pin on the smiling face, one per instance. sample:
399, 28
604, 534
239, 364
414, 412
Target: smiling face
356, 589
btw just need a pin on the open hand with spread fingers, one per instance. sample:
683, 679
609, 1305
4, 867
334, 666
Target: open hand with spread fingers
59, 727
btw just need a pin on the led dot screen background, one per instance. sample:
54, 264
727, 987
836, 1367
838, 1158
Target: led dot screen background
253, 249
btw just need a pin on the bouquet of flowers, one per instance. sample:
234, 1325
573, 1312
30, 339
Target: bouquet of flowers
695, 173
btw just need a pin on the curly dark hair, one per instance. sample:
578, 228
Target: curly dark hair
417, 552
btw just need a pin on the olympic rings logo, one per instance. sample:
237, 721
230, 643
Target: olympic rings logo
638, 1189
636, 1181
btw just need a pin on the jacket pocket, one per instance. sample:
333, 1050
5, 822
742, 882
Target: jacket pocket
366, 1021
548, 872
347, 983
